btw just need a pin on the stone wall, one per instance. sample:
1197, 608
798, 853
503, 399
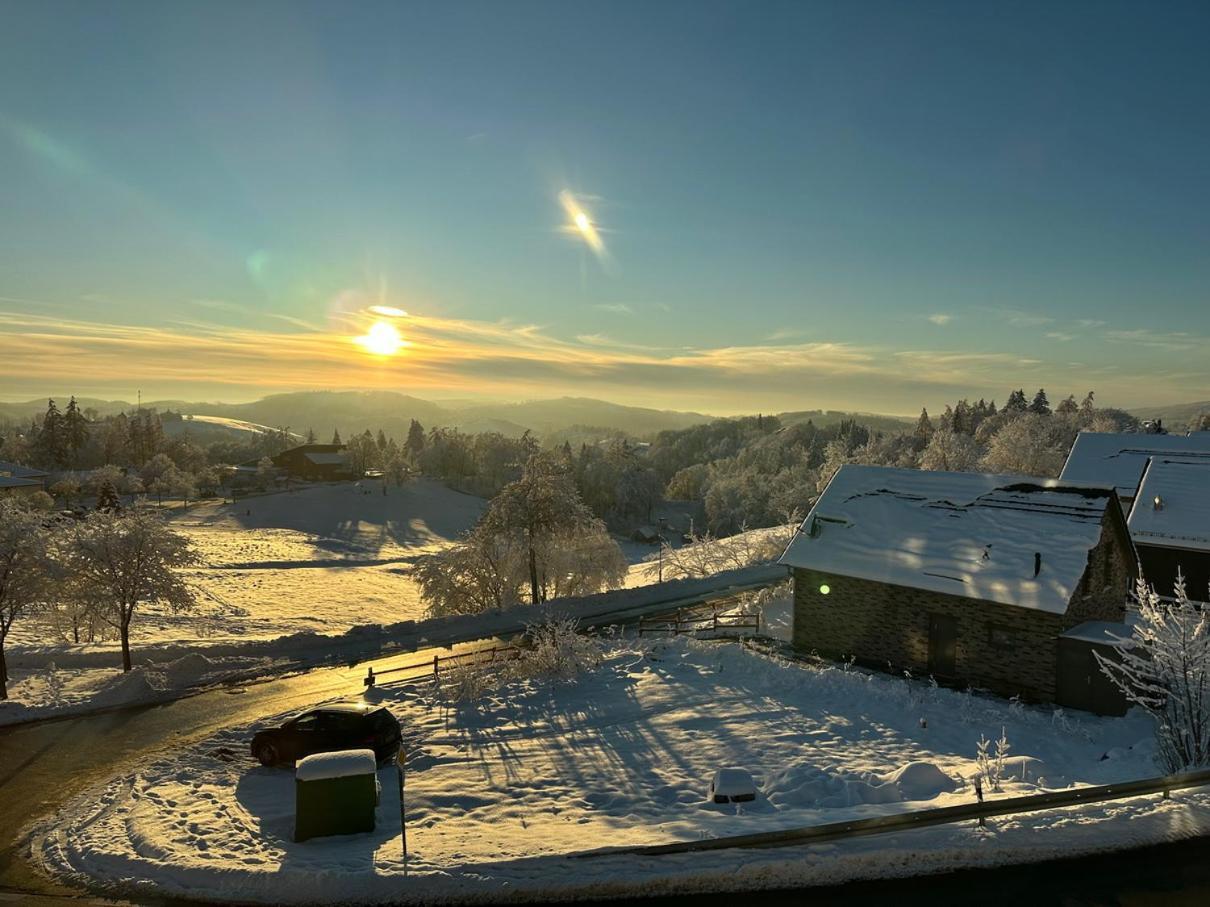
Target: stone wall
1004, 648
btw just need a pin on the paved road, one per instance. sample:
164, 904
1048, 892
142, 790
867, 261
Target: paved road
45, 763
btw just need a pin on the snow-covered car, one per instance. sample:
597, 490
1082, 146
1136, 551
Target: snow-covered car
732, 785
330, 728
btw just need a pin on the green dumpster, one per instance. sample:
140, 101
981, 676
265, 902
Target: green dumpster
335, 794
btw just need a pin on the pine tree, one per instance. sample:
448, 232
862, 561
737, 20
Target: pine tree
336, 437
924, 425
52, 437
1068, 407
1016, 402
75, 431
381, 440
310, 436
1040, 404
415, 442
107, 498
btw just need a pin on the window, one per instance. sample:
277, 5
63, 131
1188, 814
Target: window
1001, 638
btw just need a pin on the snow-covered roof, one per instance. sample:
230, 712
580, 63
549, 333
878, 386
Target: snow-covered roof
17, 471
1183, 519
1119, 458
1100, 632
341, 764
327, 459
14, 482
959, 533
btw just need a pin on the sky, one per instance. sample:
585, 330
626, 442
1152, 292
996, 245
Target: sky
724, 207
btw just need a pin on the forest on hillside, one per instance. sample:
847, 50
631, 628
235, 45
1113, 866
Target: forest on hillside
751, 471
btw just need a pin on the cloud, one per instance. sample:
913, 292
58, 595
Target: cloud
40, 351
618, 308
1060, 336
940, 318
1175, 341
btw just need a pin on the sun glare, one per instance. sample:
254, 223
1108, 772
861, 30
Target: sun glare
382, 339
581, 224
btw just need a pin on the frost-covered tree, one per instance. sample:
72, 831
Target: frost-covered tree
1040, 405
415, 440
478, 573
107, 498
543, 516
950, 451
1164, 667
924, 426
266, 473
1016, 402
1027, 445
116, 562
67, 489
23, 571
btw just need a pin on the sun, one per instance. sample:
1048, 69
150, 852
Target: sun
382, 339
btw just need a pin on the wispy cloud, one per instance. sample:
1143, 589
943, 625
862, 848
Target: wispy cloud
940, 318
1060, 336
1175, 341
618, 308
475, 357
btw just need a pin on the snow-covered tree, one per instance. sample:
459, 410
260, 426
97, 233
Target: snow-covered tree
1016, 402
75, 432
107, 498
1164, 667
950, 451
1027, 445
117, 562
266, 473
924, 426
23, 571
67, 489
1040, 405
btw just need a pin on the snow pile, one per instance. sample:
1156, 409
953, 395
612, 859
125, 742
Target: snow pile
499, 790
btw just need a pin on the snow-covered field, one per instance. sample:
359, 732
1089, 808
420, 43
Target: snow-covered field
322, 559
501, 790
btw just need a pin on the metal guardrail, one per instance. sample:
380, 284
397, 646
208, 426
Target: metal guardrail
506, 653
944, 815
678, 624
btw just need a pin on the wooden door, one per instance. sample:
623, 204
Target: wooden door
943, 645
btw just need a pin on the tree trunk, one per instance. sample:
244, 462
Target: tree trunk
533, 576
125, 631
3, 674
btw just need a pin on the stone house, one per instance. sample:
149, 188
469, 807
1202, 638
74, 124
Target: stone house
1170, 524
971, 578
1119, 459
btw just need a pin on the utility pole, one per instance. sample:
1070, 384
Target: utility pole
403, 823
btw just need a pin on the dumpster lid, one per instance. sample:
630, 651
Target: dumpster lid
340, 764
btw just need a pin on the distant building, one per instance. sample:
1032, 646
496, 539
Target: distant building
317, 462
996, 581
17, 479
9, 485
1170, 524
1120, 458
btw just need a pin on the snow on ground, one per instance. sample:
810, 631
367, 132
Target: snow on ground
499, 792
320, 559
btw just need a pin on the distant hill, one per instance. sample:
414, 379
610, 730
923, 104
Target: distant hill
824, 418
355, 411
1175, 415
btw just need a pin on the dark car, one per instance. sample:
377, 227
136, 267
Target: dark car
342, 726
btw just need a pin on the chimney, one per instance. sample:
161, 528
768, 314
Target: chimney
1037, 562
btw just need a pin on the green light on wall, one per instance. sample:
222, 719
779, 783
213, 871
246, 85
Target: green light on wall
825, 589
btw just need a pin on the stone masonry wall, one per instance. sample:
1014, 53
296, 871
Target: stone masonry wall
1004, 648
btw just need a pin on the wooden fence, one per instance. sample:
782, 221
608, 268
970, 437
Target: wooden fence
496, 654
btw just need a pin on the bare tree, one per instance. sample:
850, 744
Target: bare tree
1164, 667
23, 571
115, 562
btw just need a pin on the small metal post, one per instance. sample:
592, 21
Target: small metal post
979, 795
403, 821
369, 677
435, 668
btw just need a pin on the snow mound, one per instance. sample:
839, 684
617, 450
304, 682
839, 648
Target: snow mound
134, 686
189, 669
921, 781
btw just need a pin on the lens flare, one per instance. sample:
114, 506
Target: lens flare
382, 339
389, 311
580, 224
